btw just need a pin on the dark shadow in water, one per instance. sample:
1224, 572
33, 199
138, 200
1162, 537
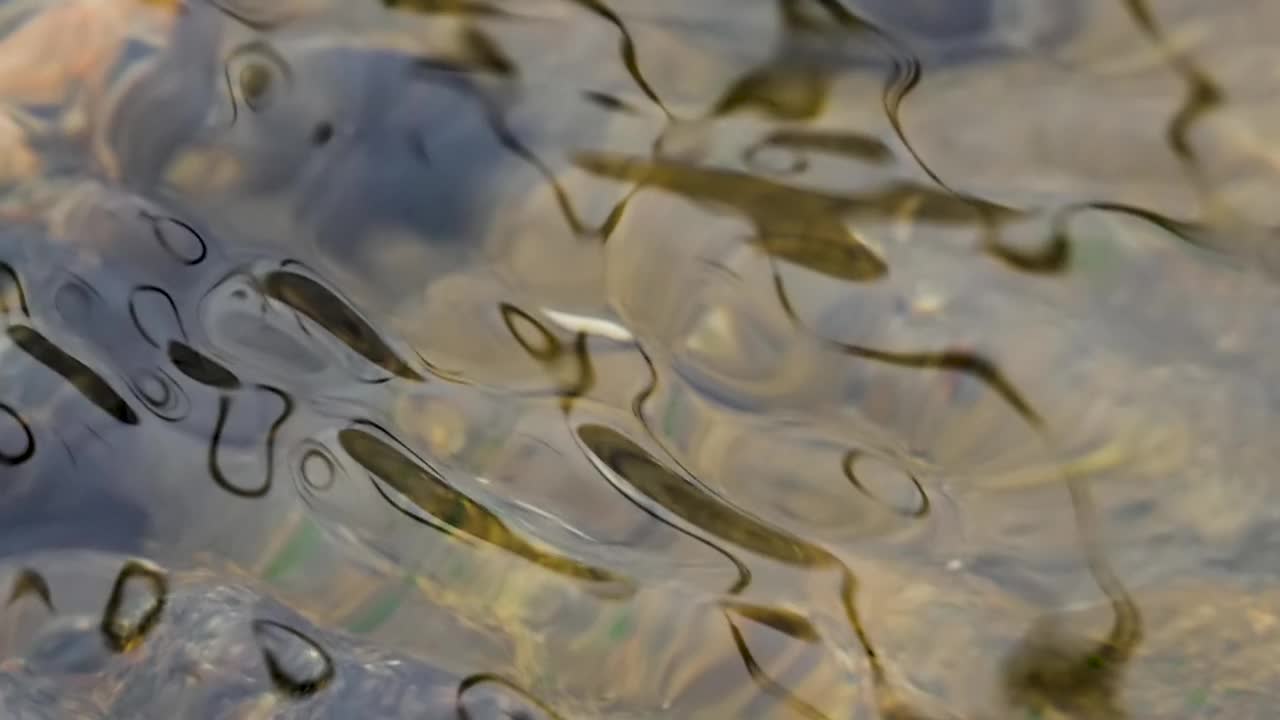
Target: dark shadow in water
30, 582
1187, 231
1242, 247
1045, 668
637, 410
823, 38
699, 508
807, 228
743, 577
135, 316
785, 621
1202, 97
300, 116
477, 680
819, 41
15, 283
196, 249
768, 685
848, 144
137, 600
626, 48
800, 226
705, 511
480, 56
1054, 667
670, 490
28, 447
338, 318
80, 376
904, 75
1051, 259
903, 70
473, 8
971, 364
453, 512
816, 240
215, 441
492, 106
552, 354
201, 368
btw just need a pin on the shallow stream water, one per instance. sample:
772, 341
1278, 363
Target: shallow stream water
902, 359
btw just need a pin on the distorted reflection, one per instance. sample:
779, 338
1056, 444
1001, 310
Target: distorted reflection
580, 358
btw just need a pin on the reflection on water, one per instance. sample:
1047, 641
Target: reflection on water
579, 358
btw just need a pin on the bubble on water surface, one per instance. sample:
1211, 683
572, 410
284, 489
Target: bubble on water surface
79, 375
137, 599
179, 239
489, 697
318, 470
201, 368
894, 487
296, 664
162, 396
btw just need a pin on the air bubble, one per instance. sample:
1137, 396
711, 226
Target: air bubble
893, 487
160, 394
490, 696
179, 239
137, 599
318, 470
296, 664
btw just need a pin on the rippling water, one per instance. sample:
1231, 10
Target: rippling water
904, 359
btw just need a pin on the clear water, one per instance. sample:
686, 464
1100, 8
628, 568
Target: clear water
609, 359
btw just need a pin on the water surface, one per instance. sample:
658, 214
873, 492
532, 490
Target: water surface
604, 359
